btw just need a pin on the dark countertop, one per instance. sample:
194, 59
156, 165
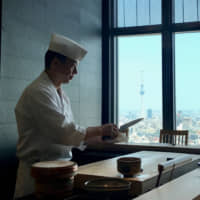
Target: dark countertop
80, 196
128, 147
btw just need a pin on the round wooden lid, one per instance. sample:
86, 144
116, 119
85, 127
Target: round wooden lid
53, 168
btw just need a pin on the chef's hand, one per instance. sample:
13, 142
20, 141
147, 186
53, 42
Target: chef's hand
109, 131
99, 133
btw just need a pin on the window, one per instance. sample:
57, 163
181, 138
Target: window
140, 85
187, 84
150, 58
187, 11
138, 12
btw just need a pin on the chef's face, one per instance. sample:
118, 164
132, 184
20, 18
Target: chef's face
66, 70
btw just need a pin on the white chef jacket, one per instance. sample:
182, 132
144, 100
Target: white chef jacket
46, 129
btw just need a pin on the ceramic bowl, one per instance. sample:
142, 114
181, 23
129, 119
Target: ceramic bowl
107, 188
129, 166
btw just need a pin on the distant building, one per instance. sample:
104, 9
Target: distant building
179, 117
187, 122
141, 92
149, 113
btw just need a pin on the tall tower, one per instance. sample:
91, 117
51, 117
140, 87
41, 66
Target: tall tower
141, 92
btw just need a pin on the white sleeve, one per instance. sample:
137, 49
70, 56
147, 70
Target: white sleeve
51, 122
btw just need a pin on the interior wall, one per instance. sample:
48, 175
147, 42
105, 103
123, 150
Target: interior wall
26, 29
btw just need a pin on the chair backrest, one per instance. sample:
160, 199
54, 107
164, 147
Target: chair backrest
170, 165
174, 136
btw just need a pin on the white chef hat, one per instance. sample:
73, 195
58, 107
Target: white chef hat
66, 47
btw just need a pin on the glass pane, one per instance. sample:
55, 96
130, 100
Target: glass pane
143, 12
190, 10
130, 13
187, 84
186, 11
138, 12
139, 86
179, 11
198, 11
155, 11
120, 13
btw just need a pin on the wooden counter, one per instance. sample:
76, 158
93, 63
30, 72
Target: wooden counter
186, 187
146, 180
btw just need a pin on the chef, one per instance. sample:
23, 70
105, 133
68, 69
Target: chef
46, 127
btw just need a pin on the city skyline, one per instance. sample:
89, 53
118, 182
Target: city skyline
130, 65
143, 53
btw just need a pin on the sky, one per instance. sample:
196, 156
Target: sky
140, 62
140, 56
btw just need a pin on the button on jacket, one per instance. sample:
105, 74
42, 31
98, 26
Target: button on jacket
46, 129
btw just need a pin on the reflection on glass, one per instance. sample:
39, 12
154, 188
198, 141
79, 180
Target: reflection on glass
155, 11
186, 11
190, 10
178, 8
130, 13
198, 10
143, 12
138, 12
139, 86
120, 13
187, 84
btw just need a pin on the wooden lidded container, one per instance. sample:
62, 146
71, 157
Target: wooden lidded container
54, 179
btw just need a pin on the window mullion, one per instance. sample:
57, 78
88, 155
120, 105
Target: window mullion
105, 62
168, 68
108, 66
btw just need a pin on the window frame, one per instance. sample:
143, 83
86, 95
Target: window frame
167, 29
1, 14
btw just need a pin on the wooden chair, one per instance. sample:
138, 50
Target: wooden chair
170, 165
174, 137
